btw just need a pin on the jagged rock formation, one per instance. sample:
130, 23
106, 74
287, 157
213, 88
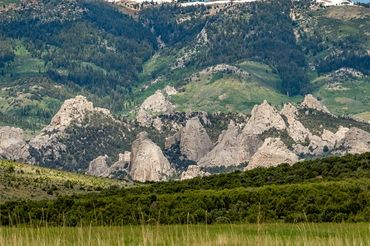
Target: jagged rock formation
295, 128
312, 103
267, 138
263, 118
355, 141
272, 153
194, 140
98, 166
232, 149
120, 167
12, 144
147, 161
154, 105
334, 138
192, 172
73, 111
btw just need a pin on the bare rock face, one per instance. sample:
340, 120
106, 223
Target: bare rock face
147, 161
122, 165
170, 90
74, 110
272, 153
312, 103
12, 144
194, 140
295, 128
192, 172
334, 138
232, 149
152, 106
98, 166
263, 118
355, 141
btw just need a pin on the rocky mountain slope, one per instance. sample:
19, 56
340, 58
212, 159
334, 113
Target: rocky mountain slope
88, 139
224, 58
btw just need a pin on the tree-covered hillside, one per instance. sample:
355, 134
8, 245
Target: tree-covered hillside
80, 47
53, 50
335, 189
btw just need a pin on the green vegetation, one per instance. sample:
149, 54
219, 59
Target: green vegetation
334, 189
218, 92
245, 234
22, 181
92, 48
82, 47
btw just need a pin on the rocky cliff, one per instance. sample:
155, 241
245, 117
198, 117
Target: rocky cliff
194, 140
148, 162
153, 106
232, 148
47, 145
13, 145
181, 148
272, 153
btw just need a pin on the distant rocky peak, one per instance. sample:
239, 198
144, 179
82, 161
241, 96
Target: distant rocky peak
311, 102
156, 104
289, 110
74, 110
194, 141
263, 118
272, 153
147, 161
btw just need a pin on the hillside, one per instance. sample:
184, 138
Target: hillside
21, 181
162, 144
328, 190
277, 50
53, 50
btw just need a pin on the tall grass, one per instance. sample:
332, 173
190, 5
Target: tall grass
231, 234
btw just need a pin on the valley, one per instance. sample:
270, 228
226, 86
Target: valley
184, 122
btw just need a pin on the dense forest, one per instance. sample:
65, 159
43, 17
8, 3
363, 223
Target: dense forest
334, 189
261, 30
90, 44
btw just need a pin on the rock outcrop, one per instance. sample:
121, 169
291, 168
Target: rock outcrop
272, 153
13, 145
334, 138
295, 128
152, 106
73, 111
355, 141
120, 167
312, 103
98, 166
192, 172
263, 118
147, 161
232, 149
194, 140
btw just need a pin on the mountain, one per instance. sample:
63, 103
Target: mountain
172, 91
171, 145
225, 57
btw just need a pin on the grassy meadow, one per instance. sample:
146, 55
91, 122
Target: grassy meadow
23, 181
225, 234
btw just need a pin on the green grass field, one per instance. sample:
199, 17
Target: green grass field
232, 234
